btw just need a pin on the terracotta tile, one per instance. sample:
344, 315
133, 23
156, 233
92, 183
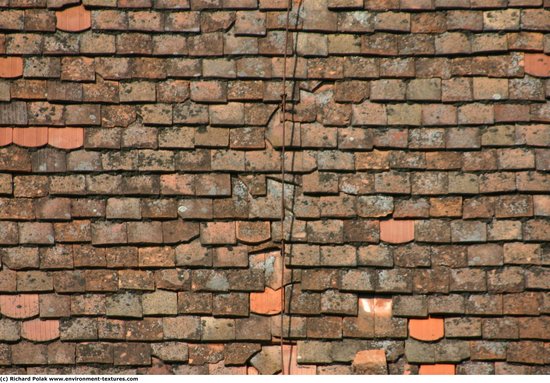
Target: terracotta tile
19, 306
290, 361
251, 371
366, 306
426, 329
253, 232
363, 325
66, 138
40, 330
267, 303
370, 362
31, 137
237, 370
74, 19
537, 64
382, 307
11, 67
6, 136
396, 231
437, 369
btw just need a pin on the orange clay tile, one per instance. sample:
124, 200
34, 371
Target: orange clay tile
380, 307
252, 371
40, 330
237, 370
537, 64
11, 67
267, 303
6, 136
396, 231
31, 137
437, 369
290, 362
370, 362
66, 138
426, 329
74, 19
19, 306
366, 306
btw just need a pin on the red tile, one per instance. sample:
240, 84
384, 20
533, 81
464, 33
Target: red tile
6, 136
11, 67
537, 64
19, 306
437, 369
74, 19
426, 329
31, 137
40, 330
267, 303
396, 231
66, 138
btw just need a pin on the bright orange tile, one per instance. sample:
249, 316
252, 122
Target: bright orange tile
31, 137
537, 64
437, 369
66, 138
6, 136
11, 67
426, 329
19, 306
267, 302
74, 19
396, 231
40, 330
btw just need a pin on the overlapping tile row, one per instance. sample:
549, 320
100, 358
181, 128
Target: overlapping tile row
140, 186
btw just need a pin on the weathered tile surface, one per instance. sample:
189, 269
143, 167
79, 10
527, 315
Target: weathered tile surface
141, 193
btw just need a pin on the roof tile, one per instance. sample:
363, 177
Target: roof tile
74, 19
19, 306
11, 67
30, 137
66, 138
6, 136
38, 330
437, 369
426, 329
